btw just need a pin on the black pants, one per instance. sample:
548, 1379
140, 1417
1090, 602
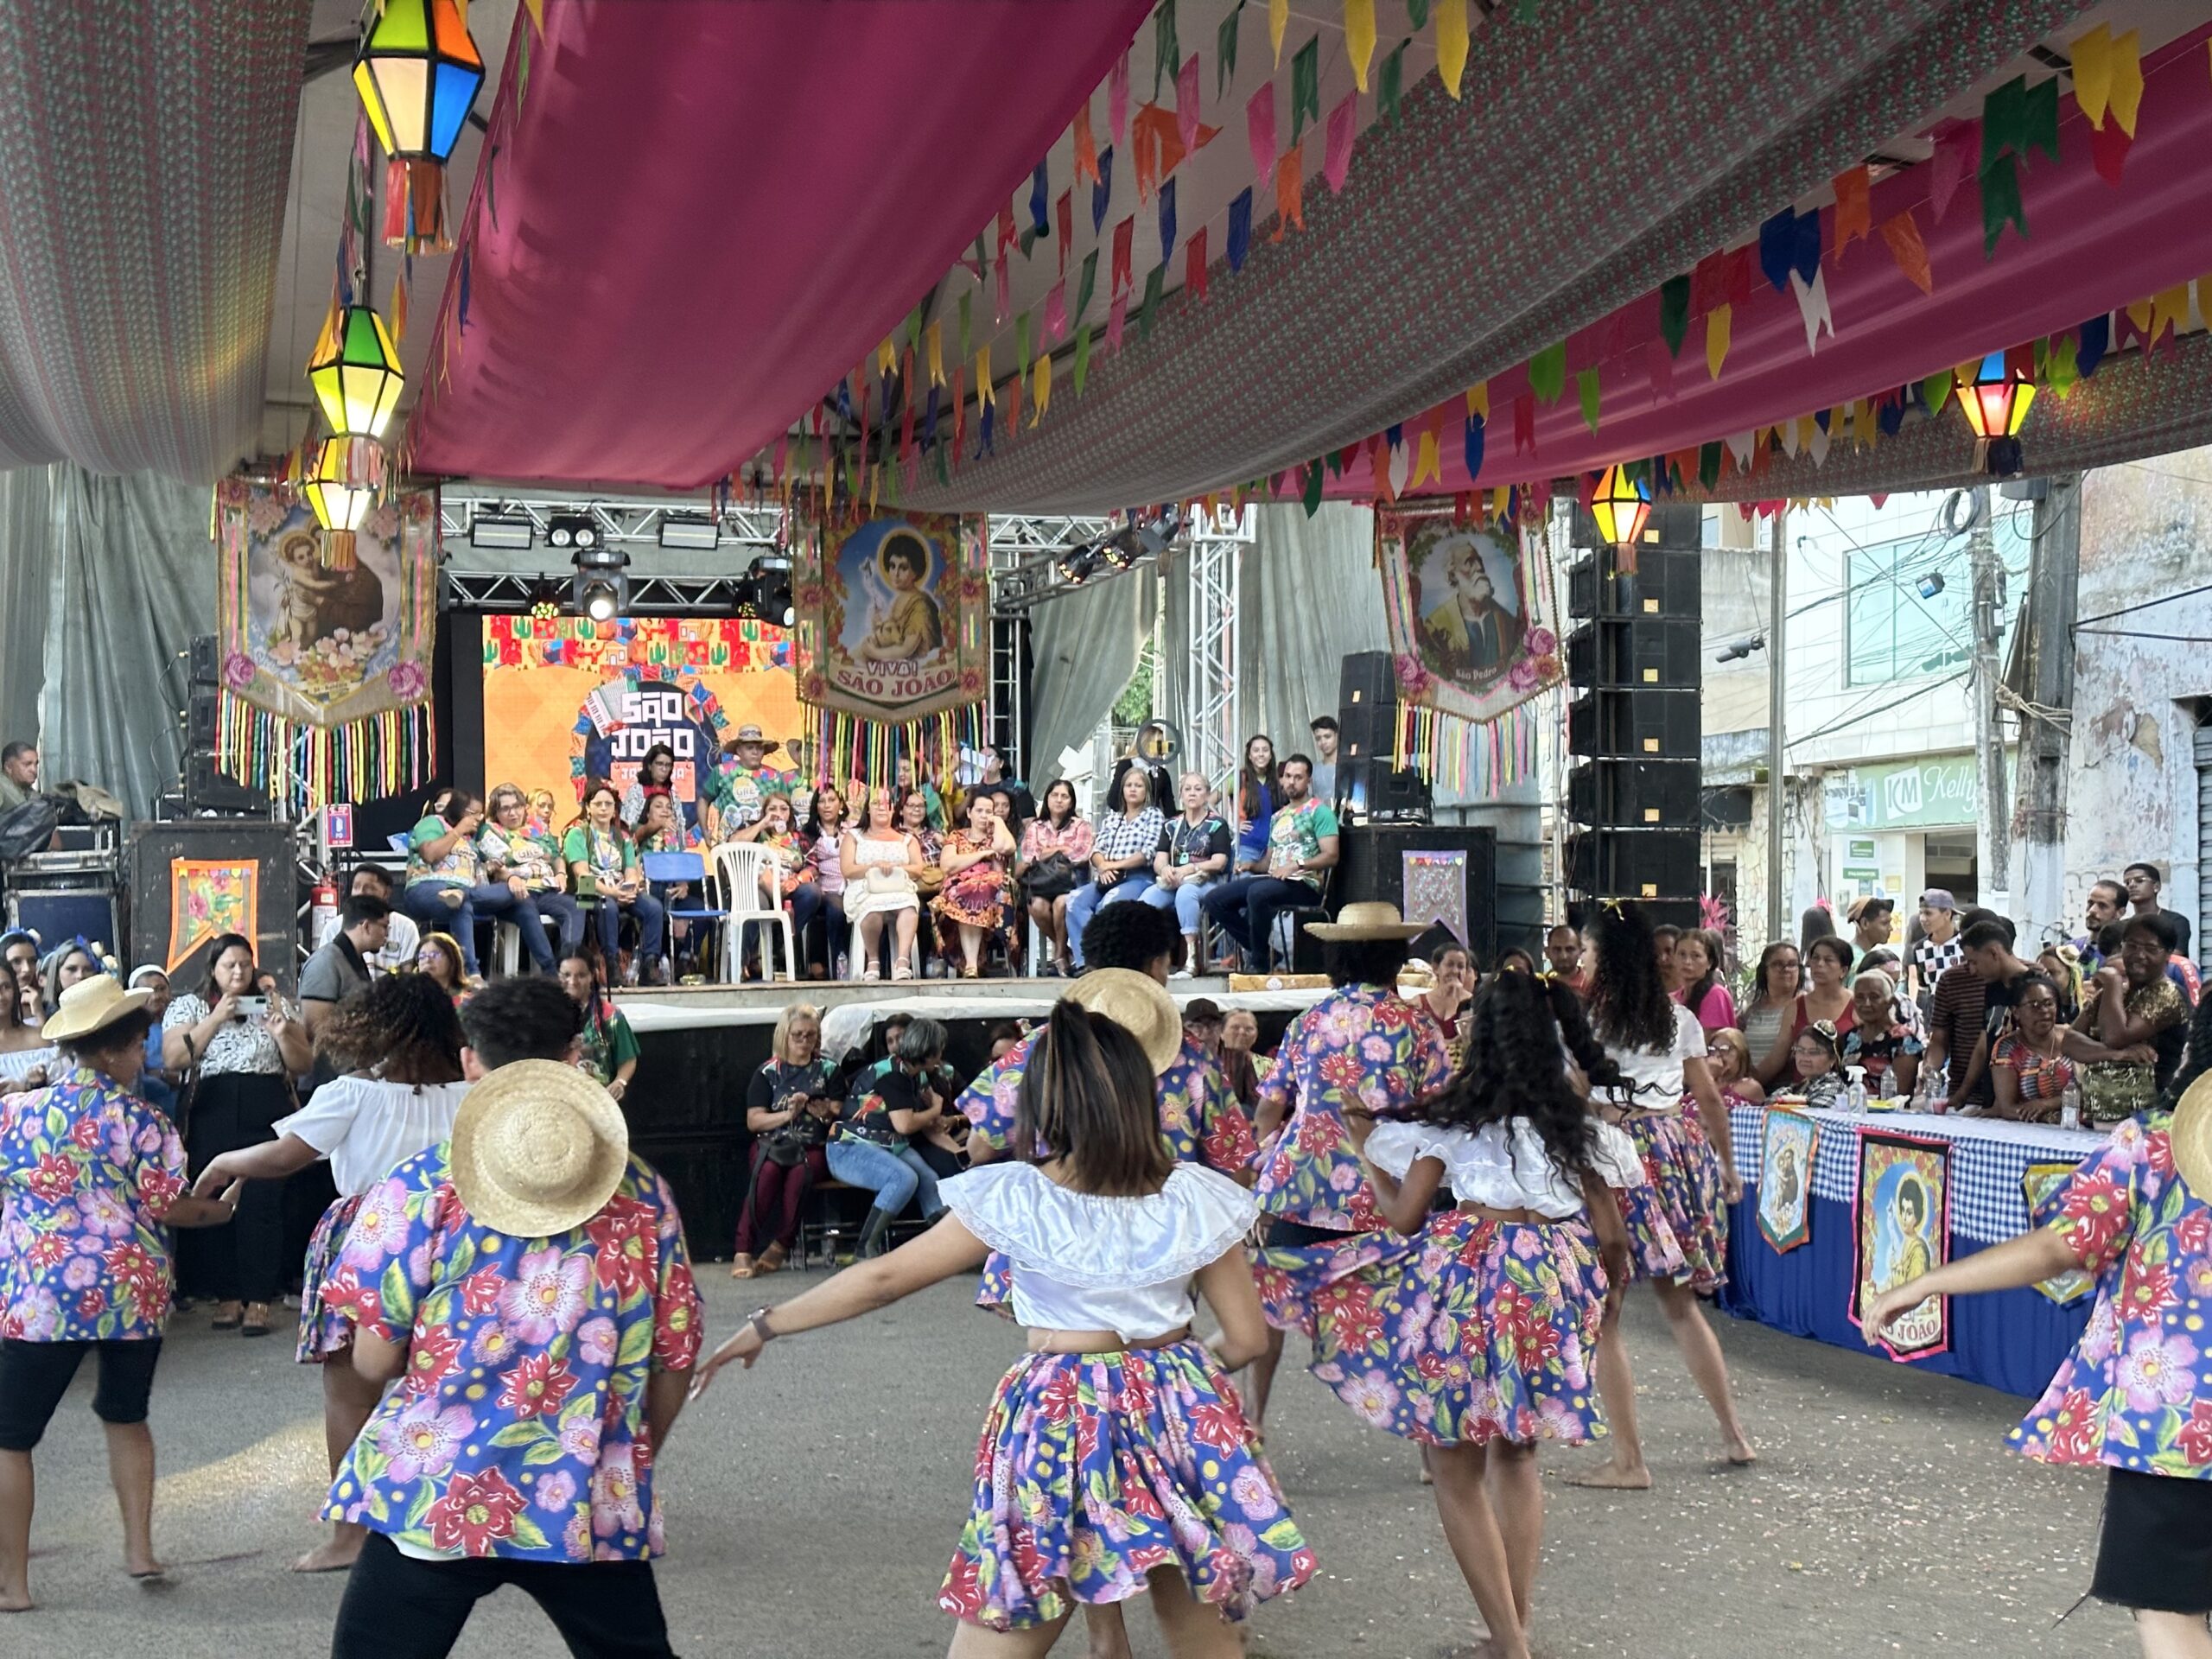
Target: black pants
34, 1375
246, 1261
397, 1607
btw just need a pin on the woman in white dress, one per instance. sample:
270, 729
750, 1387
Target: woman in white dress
1115, 1458
398, 1043
883, 867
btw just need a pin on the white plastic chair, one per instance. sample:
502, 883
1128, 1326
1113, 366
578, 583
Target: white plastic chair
738, 864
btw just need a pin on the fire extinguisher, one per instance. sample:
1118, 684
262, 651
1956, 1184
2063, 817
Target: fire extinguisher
325, 907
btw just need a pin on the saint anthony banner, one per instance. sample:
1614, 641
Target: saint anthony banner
2041, 1185
893, 619
1465, 620
326, 672
1902, 1230
1786, 1148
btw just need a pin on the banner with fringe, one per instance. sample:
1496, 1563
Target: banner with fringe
326, 693
893, 617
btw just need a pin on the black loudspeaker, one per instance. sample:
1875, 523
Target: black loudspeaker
59, 913
1634, 794
1633, 724
1664, 583
1367, 706
206, 666
149, 864
1642, 652
1373, 866
1635, 863
200, 717
208, 789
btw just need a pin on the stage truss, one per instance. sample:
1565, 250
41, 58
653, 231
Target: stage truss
1211, 739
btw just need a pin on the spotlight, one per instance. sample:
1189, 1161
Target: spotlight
1931, 584
499, 530
602, 585
1078, 565
1737, 649
545, 597
700, 534
572, 530
601, 603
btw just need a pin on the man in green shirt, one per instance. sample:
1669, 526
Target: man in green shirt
19, 764
1301, 845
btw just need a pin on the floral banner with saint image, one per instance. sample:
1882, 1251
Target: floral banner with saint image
1465, 614
326, 671
1902, 1230
1786, 1148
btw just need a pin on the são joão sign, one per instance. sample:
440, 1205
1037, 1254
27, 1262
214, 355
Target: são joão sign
623, 720
891, 615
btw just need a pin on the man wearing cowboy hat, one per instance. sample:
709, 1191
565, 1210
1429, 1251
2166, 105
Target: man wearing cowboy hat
525, 1284
743, 780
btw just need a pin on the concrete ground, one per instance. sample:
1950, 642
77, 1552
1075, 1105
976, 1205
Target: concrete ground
812, 1504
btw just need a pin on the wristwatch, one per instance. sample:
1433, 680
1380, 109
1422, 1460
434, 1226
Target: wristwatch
757, 1319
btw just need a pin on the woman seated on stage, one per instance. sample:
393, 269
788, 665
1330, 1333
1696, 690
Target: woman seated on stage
788, 1110
515, 843
821, 841
610, 1047
882, 867
972, 901
655, 772
438, 959
916, 808
604, 862
662, 829
1055, 861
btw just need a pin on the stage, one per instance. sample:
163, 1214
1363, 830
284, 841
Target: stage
700, 1045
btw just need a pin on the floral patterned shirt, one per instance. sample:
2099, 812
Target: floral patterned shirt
2136, 1393
518, 1429
87, 1171
1199, 1119
1361, 1044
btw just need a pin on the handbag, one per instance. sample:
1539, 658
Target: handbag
1051, 876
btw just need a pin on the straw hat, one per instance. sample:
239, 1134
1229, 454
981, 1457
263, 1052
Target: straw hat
752, 733
2190, 1135
1367, 918
537, 1149
1140, 1005
88, 1005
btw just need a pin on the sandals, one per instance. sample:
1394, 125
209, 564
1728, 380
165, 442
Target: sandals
871, 974
971, 971
743, 1266
226, 1320
772, 1258
900, 970
256, 1322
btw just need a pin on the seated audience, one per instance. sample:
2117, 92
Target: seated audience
1120, 855
603, 861
1194, 851
883, 868
1880, 1038
2038, 1057
401, 935
1054, 862
438, 959
1728, 1057
1301, 846
608, 1048
447, 887
821, 845
516, 847
1699, 987
870, 1145
971, 904
788, 1110
1816, 1059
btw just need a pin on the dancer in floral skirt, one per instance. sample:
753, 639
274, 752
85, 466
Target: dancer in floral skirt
1487, 1332
1677, 1226
1115, 1458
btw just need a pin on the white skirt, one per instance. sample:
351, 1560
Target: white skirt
860, 902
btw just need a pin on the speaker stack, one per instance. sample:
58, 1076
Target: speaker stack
208, 792
1633, 725
1368, 784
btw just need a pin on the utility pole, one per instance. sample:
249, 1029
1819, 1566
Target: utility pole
1777, 660
1995, 881
2045, 732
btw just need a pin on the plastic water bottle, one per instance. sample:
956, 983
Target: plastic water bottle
2069, 1106
1856, 1099
1888, 1090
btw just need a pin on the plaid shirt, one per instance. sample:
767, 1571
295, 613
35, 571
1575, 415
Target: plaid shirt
1119, 836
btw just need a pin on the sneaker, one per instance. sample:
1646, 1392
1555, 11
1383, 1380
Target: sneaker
1181, 973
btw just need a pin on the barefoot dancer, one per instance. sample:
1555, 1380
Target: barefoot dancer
1678, 1226
1115, 1458
399, 1044
91, 1177
2135, 1395
1491, 1325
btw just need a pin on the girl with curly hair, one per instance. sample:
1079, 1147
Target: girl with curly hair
1678, 1225
1494, 1317
396, 1046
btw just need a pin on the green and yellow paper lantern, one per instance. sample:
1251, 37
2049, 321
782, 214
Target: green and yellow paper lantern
1995, 397
341, 486
418, 72
356, 374
1621, 507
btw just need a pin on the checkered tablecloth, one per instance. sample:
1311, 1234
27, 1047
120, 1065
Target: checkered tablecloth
1988, 1159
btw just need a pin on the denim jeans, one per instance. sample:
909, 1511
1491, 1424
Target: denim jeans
1086, 901
566, 915
651, 915
894, 1174
1247, 907
808, 902
425, 901
1182, 901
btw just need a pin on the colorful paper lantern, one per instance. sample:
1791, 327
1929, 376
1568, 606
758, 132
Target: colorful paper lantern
356, 374
1621, 508
418, 72
1995, 398
341, 488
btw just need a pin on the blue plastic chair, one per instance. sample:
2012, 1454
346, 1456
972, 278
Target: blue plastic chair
664, 869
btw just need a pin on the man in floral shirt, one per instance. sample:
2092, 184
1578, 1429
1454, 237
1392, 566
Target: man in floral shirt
2135, 1395
526, 1285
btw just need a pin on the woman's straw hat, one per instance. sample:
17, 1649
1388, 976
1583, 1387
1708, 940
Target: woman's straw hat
2191, 1135
537, 1149
88, 1005
1367, 918
1140, 1005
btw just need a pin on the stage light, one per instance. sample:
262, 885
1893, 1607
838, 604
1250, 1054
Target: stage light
601, 603
567, 530
1620, 508
601, 584
1078, 564
1931, 584
1995, 399
499, 532
545, 599
701, 534
765, 593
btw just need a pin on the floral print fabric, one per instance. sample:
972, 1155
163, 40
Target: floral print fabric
1093, 1469
1488, 1331
87, 1171
1678, 1225
2136, 1393
519, 1428
1363, 1046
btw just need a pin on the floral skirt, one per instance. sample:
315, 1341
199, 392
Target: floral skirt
1303, 1287
324, 1331
1489, 1332
975, 903
1677, 1226
994, 1293
1095, 1469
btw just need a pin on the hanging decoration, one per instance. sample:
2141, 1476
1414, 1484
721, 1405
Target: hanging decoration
341, 487
1995, 398
355, 373
326, 673
418, 72
1621, 507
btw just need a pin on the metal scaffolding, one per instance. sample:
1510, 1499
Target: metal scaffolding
1211, 743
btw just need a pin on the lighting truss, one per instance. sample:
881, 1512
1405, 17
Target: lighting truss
1212, 731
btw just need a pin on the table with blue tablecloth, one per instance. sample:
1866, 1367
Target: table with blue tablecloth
2012, 1339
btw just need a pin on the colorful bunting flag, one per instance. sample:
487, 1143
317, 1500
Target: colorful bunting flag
1225, 50
1002, 291
1901, 235
1305, 86
1548, 372
1056, 312
1082, 372
1359, 38
1063, 217
2097, 340
1040, 188
1153, 281
1586, 386
1716, 339
1240, 228
1290, 191
1955, 148
1044, 388
1087, 280
1336, 161
1674, 313
1186, 104
1278, 19
1450, 43
1166, 50
1086, 148
1389, 84
1124, 243
1117, 98
1117, 314
1854, 206
1167, 220
1102, 187
2000, 202
1260, 129
965, 342
1813, 304
1471, 442
1524, 404
986, 393
1194, 266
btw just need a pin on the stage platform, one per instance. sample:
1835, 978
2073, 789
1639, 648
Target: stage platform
691, 1008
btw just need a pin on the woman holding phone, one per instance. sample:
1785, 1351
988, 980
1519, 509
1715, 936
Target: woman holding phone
246, 1043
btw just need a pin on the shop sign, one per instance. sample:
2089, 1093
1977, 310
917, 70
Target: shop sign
1932, 793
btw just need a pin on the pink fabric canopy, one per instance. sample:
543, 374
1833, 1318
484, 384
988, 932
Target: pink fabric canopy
704, 214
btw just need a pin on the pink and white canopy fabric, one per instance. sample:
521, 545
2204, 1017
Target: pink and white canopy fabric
704, 214
143, 153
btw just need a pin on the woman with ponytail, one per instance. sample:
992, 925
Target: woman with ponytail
1491, 1326
1678, 1225
1115, 1458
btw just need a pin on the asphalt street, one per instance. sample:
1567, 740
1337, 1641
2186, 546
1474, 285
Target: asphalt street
812, 1504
